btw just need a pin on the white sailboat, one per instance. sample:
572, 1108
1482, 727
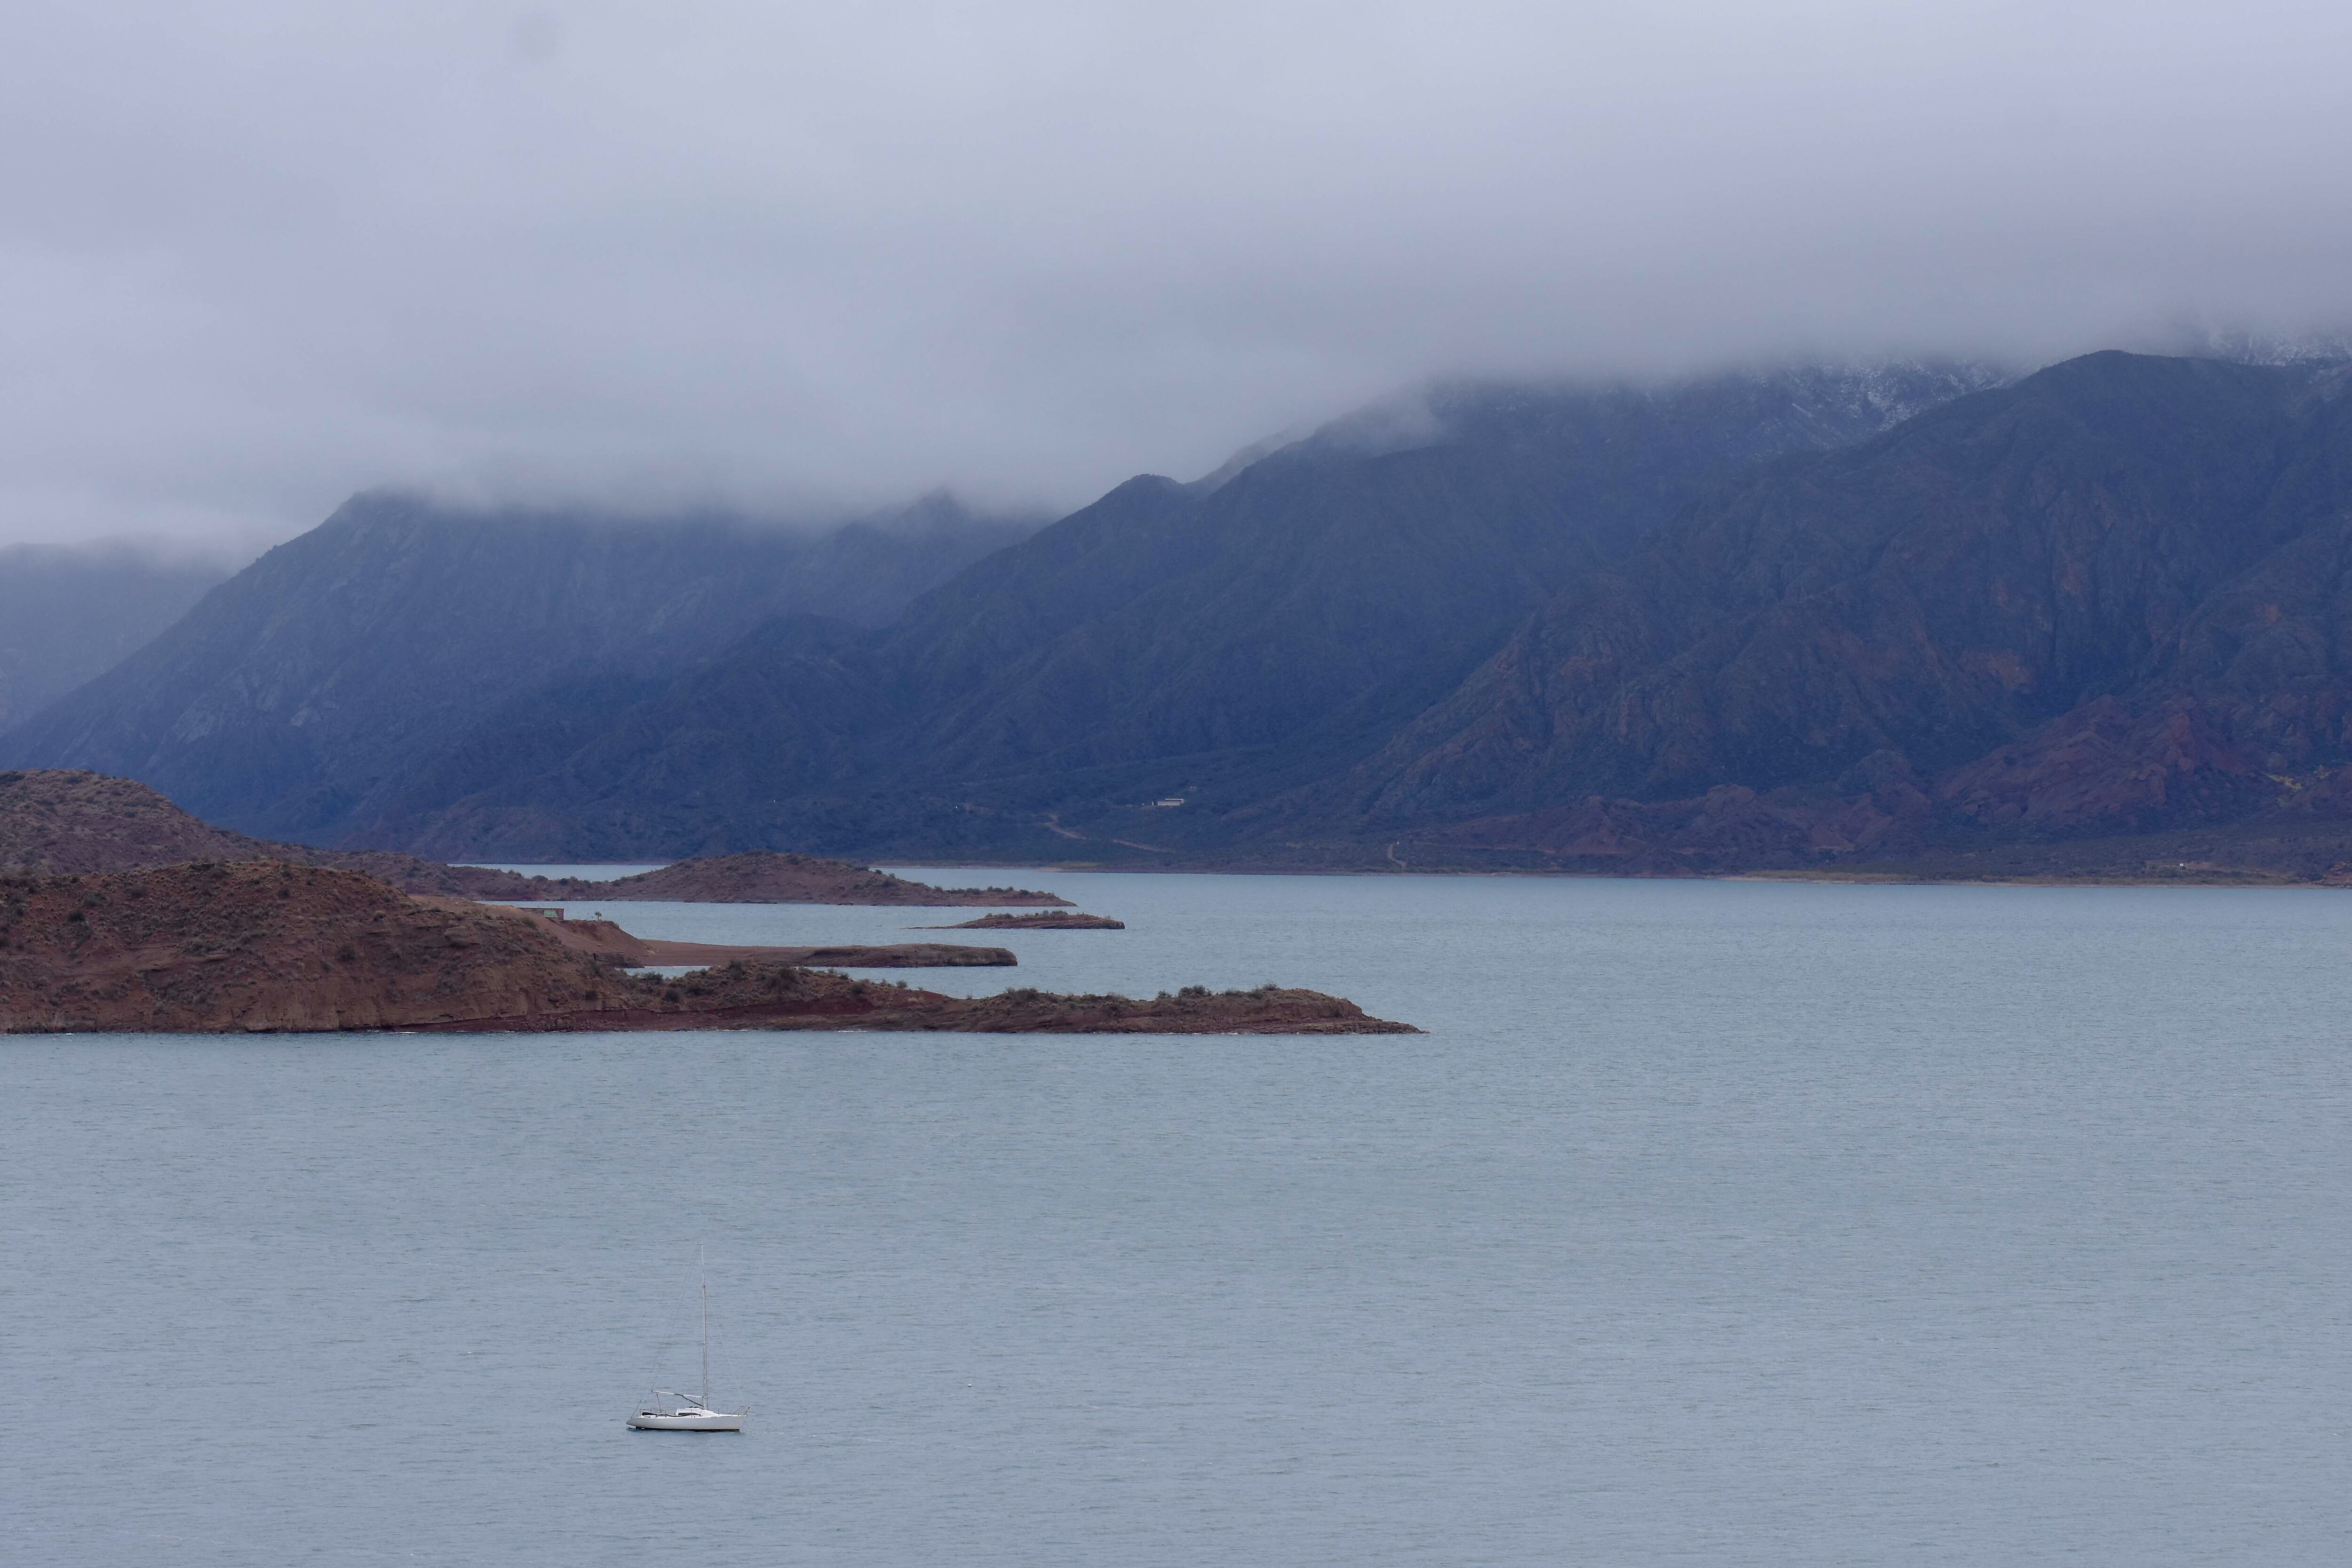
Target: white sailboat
684, 1415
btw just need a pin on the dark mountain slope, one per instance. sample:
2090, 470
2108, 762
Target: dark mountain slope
2254, 688
308, 691
1237, 637
2110, 596
1337, 586
69, 614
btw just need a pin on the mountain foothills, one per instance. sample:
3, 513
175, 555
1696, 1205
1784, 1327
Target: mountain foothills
1918, 619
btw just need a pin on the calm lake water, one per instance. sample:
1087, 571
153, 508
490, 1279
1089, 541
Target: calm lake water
1728, 1223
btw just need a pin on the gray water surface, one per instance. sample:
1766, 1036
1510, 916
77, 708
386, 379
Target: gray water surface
1709, 1222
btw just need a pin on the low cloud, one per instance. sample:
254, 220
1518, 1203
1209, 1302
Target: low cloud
257, 256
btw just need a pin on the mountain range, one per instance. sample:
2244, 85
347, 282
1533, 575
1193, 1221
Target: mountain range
1219, 641
1911, 615
300, 694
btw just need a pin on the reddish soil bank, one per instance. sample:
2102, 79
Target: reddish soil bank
267, 946
1044, 920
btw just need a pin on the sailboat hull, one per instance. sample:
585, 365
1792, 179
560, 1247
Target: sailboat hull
655, 1421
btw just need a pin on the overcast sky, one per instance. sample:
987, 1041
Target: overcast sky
255, 255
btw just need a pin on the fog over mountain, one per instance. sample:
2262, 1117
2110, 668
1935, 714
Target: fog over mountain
69, 614
260, 256
2094, 619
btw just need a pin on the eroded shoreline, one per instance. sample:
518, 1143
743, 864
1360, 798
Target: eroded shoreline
270, 947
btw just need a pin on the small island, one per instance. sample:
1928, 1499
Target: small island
769, 877
266, 946
1043, 919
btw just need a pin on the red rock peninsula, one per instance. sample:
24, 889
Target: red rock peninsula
259, 946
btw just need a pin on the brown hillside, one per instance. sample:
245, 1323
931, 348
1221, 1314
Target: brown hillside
267, 945
54, 822
61, 821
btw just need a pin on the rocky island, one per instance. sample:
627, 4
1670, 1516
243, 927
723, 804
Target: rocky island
767, 877
1044, 920
262, 946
